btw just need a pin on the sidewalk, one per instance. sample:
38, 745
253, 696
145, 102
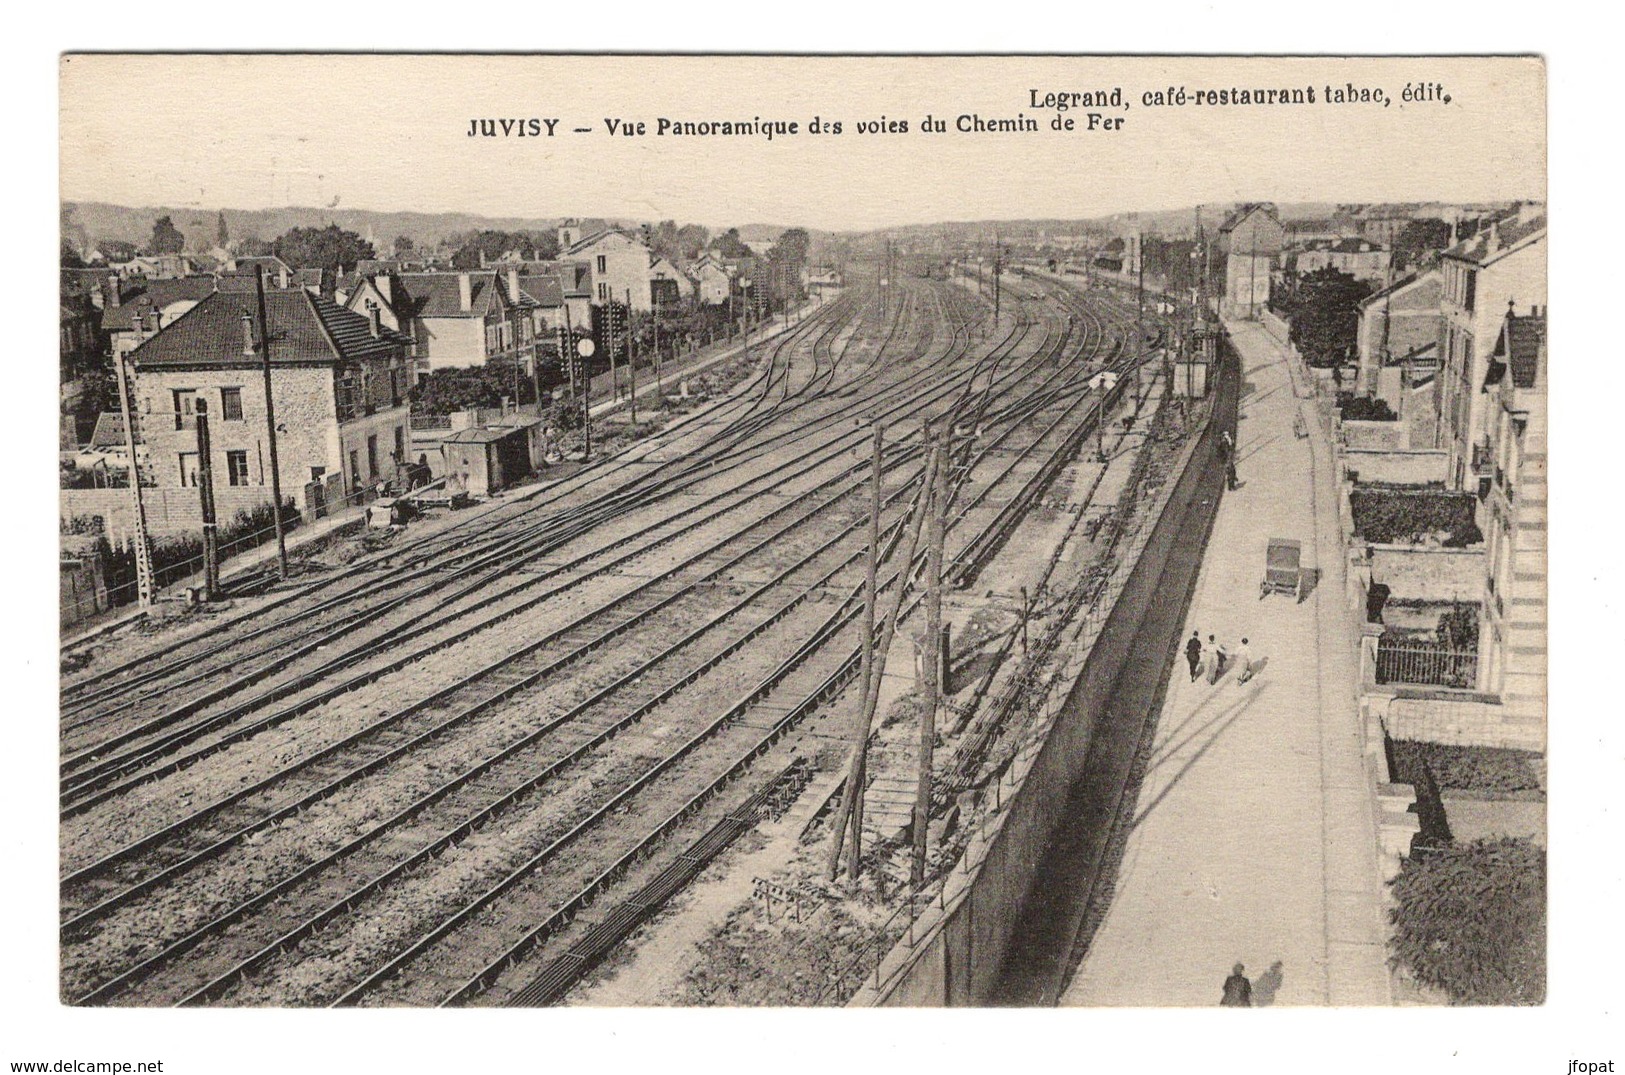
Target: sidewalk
1253, 839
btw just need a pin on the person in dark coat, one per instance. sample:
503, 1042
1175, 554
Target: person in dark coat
1238, 991
1193, 654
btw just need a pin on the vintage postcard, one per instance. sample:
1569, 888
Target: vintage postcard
802, 531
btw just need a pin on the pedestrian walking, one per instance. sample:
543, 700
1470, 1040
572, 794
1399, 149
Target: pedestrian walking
1244, 657
1230, 473
1193, 654
1218, 657
1238, 991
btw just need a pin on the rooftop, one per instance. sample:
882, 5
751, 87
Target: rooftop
304, 328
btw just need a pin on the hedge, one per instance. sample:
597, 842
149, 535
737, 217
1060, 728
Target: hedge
1471, 921
1492, 770
1386, 516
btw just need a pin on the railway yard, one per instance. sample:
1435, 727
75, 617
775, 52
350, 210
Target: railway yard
585, 745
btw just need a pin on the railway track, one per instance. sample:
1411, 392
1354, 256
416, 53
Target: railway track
821, 378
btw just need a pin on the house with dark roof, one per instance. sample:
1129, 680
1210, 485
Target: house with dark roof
135, 310
339, 381
1503, 263
454, 319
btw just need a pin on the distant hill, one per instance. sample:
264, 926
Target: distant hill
101, 220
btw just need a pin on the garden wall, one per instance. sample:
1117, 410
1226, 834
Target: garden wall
1396, 467
1429, 574
169, 511
1461, 718
1376, 436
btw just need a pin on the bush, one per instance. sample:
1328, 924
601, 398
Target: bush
1386, 516
1366, 409
1472, 921
1492, 770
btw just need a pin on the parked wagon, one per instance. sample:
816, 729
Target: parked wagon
1283, 568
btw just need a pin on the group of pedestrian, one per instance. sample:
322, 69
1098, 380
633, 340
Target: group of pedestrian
1216, 658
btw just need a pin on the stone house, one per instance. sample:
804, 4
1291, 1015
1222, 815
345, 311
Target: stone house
1398, 338
619, 261
1251, 239
1514, 602
339, 383
1360, 258
1504, 263
134, 311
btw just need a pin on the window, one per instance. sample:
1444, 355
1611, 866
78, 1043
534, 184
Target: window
185, 407
400, 444
1471, 290
355, 470
237, 467
189, 469
372, 456
603, 263
231, 404
603, 292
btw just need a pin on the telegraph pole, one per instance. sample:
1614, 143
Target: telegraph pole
853, 792
857, 772
936, 502
631, 358
270, 427
146, 581
205, 496
998, 270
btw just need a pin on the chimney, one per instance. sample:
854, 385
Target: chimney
513, 285
248, 334
110, 292
282, 277
157, 319
465, 292
375, 319
135, 322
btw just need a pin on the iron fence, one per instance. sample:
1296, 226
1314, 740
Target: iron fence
1423, 663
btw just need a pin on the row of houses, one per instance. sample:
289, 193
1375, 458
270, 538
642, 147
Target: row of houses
1458, 352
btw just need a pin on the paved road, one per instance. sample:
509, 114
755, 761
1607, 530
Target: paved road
1253, 837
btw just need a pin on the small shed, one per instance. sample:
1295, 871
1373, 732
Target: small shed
534, 428
485, 461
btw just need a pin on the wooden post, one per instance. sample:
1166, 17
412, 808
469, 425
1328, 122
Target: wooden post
205, 495
887, 632
937, 507
631, 358
270, 427
857, 772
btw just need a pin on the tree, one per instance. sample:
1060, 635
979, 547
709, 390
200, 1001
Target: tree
330, 248
663, 240
72, 231
692, 240
730, 245
404, 245
468, 246
166, 237
1417, 239
70, 256
252, 246
222, 235
1325, 313
117, 250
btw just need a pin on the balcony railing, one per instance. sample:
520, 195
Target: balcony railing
1422, 663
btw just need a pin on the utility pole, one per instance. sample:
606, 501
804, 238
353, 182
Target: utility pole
146, 581
937, 505
584, 375
998, 269
205, 496
631, 358
871, 597
614, 373
660, 385
866, 716
270, 427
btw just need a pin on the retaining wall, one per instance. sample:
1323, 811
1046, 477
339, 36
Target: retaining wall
1421, 467
1429, 574
955, 951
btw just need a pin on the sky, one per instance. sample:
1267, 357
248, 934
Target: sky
390, 133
